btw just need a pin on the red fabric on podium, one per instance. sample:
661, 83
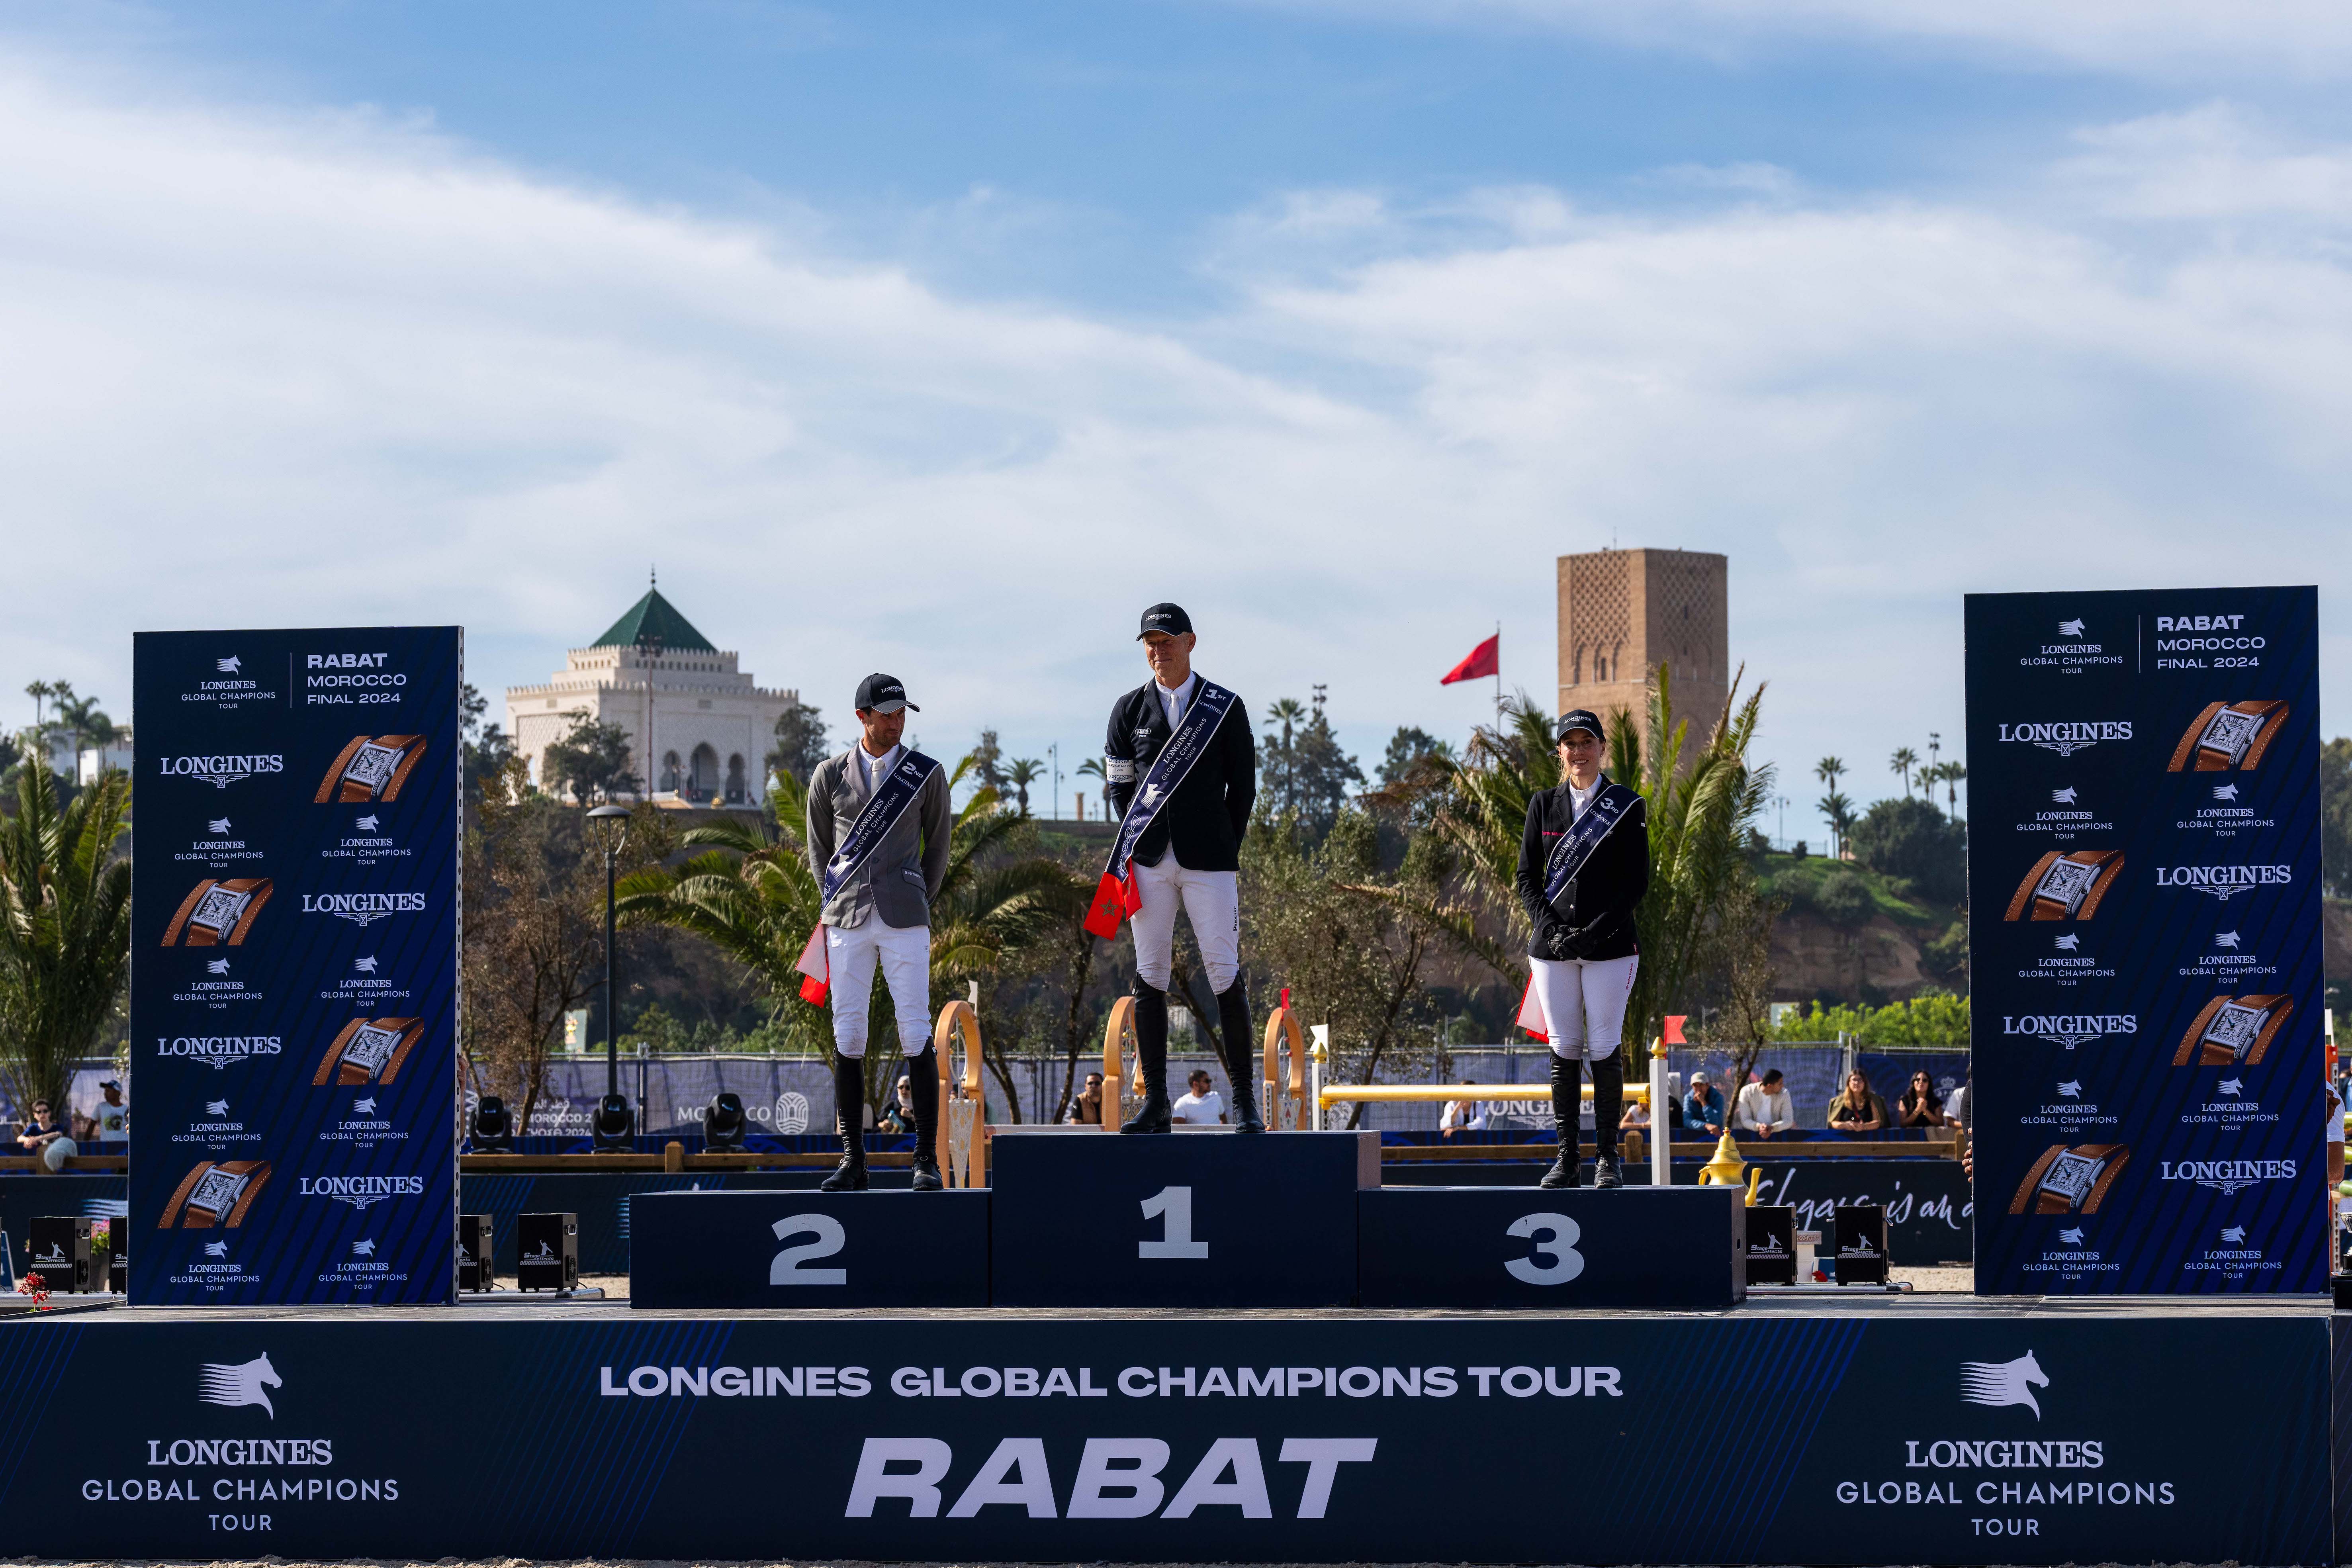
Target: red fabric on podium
1531, 1016
817, 967
1487, 658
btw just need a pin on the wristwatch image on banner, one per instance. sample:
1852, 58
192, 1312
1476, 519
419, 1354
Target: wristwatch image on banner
2232, 1031
216, 1194
373, 767
369, 1050
2227, 735
2066, 886
217, 914
2070, 1181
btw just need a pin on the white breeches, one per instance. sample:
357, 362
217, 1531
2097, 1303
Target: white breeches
1213, 899
1583, 1002
905, 959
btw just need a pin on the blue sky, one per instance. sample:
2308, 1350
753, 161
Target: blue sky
941, 338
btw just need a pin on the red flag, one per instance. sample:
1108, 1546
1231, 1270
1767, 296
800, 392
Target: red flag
1531, 1017
816, 969
1114, 900
1487, 658
1675, 1028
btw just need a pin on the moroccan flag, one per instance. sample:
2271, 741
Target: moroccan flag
1114, 900
1531, 1016
816, 966
1487, 658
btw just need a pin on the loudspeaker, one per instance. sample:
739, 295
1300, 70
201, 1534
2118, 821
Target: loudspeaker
1773, 1245
547, 1251
475, 1272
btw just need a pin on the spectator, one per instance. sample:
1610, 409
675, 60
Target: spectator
898, 1116
1703, 1107
1859, 1108
113, 1114
1201, 1106
1920, 1105
1764, 1108
1086, 1111
46, 1140
1956, 1106
1462, 1115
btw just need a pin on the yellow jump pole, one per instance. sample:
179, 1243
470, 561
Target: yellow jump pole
1282, 1028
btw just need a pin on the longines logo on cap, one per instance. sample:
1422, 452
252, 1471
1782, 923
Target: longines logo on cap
360, 1191
215, 1193
2071, 1029
216, 1051
2223, 881
2232, 1031
220, 770
2066, 886
2069, 736
2227, 735
2070, 1181
362, 909
2226, 1176
369, 1050
371, 768
218, 913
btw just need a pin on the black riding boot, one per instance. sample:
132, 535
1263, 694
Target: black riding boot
1151, 1052
923, 1088
849, 1116
1608, 1102
1568, 1110
1241, 1068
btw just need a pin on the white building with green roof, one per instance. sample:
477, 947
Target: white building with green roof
706, 725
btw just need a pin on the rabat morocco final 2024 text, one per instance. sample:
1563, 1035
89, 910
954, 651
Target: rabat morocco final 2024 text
1248, 782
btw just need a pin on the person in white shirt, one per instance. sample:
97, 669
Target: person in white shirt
1765, 1107
1203, 1107
1461, 1115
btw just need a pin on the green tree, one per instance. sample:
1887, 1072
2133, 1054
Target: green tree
1904, 760
483, 748
2335, 817
592, 762
801, 743
1910, 838
1409, 748
65, 929
1025, 772
1323, 773
1277, 761
1839, 811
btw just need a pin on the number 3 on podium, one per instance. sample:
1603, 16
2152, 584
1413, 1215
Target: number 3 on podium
1558, 1244
1172, 1206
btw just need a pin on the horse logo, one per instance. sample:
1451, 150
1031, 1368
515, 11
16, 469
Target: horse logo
216, 1108
2062, 796
216, 826
241, 1383
2233, 1233
1997, 1383
2231, 1086
2070, 1238
2070, 628
2225, 939
2070, 943
216, 966
365, 825
364, 965
216, 1249
2072, 1088
364, 1106
364, 1249
228, 666
2225, 791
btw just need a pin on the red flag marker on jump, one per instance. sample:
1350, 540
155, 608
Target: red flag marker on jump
1675, 1022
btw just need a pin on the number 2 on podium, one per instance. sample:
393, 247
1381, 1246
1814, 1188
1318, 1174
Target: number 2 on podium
1172, 1206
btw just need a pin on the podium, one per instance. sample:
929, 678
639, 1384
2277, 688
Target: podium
806, 1249
1673, 1247
1085, 1219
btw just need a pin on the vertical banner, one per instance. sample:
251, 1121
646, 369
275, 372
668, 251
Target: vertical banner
294, 966
2144, 927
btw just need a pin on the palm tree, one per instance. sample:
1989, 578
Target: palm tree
1840, 812
1025, 772
1904, 760
1950, 775
1282, 762
65, 929
1828, 769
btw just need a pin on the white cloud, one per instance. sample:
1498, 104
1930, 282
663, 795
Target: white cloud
2173, 39
304, 369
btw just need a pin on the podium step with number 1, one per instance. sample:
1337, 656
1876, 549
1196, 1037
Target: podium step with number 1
1185, 1219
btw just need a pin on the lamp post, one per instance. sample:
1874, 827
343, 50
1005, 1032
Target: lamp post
614, 1126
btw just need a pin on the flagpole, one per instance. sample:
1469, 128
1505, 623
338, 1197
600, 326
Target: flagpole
1499, 674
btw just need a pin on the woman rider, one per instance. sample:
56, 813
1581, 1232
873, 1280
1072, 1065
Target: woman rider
1584, 864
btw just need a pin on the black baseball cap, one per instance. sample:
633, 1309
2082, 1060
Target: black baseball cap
1168, 618
883, 694
1582, 719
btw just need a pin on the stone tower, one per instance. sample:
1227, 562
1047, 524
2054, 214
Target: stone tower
1622, 612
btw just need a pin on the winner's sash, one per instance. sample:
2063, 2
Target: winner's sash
1115, 897
888, 803
1609, 804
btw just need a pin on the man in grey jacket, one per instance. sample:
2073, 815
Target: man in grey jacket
877, 840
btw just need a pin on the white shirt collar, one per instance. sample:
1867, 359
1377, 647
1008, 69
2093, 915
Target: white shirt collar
1176, 703
1580, 800
871, 767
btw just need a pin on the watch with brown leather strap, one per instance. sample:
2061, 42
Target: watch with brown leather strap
373, 767
218, 913
2227, 735
2070, 1181
2232, 1031
217, 1192
2066, 886
369, 1050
